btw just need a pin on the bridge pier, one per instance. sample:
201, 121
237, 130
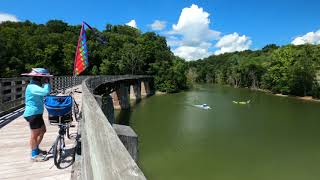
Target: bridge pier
120, 97
126, 91
106, 105
128, 138
135, 91
146, 88
115, 100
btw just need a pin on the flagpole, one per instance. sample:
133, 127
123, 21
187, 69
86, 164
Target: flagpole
98, 35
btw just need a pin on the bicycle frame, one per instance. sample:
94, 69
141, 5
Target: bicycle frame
63, 130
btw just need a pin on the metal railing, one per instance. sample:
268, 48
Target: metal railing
12, 89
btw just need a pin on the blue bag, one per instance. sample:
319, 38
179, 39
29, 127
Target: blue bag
58, 105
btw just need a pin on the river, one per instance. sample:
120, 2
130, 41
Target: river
272, 138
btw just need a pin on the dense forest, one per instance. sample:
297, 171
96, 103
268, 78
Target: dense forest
24, 45
290, 69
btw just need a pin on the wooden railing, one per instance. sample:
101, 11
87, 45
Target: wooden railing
12, 90
103, 154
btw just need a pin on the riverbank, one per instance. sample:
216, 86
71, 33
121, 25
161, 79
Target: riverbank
305, 98
158, 93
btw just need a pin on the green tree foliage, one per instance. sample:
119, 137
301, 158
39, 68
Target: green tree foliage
289, 69
172, 74
27, 45
24, 45
293, 70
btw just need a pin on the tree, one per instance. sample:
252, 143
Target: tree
278, 74
56, 26
24, 45
303, 72
131, 59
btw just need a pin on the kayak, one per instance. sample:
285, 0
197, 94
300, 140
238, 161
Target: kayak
241, 102
202, 106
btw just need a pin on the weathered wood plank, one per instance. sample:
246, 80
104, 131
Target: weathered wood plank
15, 160
105, 157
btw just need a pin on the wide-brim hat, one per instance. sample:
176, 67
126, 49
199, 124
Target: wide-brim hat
38, 72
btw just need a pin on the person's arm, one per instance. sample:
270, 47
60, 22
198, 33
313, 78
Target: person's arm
41, 91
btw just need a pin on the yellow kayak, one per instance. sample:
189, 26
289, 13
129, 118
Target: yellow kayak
241, 102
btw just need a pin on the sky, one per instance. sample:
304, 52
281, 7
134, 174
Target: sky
193, 29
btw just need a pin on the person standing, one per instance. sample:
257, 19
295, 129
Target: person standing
35, 92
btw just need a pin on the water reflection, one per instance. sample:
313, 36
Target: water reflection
123, 116
271, 138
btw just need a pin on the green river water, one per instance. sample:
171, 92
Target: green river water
272, 138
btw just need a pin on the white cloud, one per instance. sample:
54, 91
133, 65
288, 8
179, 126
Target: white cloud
132, 23
192, 38
193, 25
193, 53
158, 25
173, 41
8, 17
309, 38
191, 32
233, 42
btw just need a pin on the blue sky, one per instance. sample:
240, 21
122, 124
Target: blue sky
207, 26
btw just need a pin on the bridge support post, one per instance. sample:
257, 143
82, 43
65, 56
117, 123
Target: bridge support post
146, 88
106, 105
128, 138
115, 100
121, 99
135, 91
108, 109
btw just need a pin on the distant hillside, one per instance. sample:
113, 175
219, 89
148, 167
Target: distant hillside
288, 70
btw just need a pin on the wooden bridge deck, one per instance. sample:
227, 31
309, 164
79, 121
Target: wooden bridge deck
15, 152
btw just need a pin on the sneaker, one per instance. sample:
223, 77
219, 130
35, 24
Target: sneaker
38, 158
42, 152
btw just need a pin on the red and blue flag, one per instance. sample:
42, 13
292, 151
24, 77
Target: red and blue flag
81, 61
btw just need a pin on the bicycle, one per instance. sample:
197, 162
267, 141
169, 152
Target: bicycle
75, 107
61, 110
59, 146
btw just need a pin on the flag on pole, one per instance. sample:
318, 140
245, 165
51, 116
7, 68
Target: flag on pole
81, 58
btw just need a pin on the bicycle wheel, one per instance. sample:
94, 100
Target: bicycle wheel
76, 110
58, 151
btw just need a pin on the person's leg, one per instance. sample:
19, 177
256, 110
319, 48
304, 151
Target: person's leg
42, 126
36, 123
36, 154
33, 141
35, 133
42, 132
